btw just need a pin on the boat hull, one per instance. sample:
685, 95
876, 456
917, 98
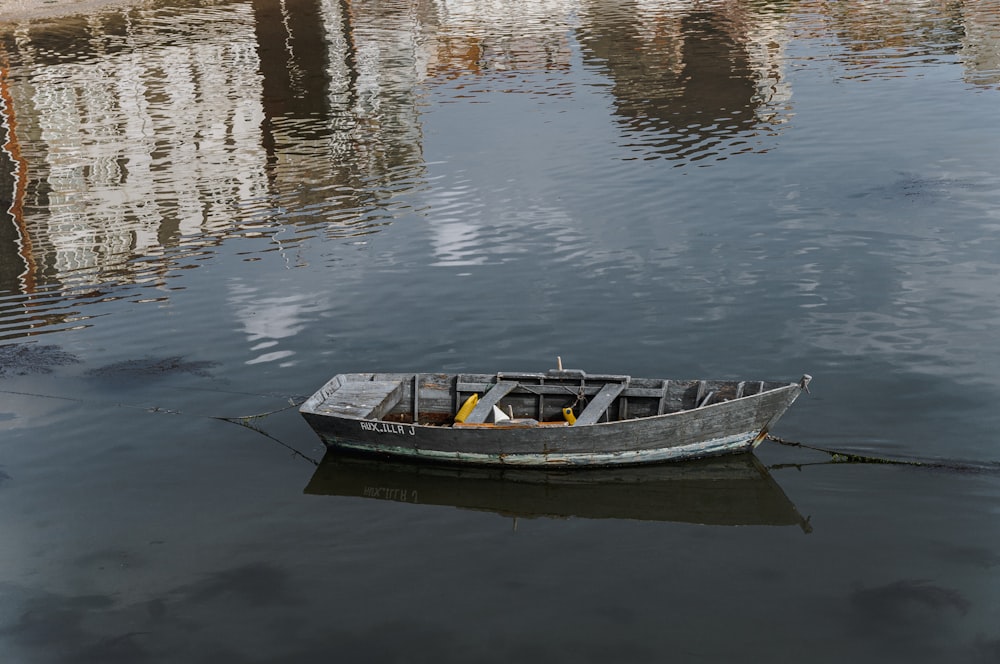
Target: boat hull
720, 428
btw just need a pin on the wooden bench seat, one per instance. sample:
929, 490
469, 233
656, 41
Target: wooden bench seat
492, 397
364, 399
599, 404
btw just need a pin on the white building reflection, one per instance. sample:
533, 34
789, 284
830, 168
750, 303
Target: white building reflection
149, 134
141, 146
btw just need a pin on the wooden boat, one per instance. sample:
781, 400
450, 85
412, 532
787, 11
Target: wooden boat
735, 490
616, 419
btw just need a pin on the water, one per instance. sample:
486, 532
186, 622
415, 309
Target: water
210, 208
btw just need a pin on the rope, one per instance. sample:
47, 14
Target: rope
148, 409
248, 421
839, 456
578, 393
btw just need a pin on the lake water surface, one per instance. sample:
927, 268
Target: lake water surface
209, 208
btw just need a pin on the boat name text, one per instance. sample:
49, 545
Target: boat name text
389, 427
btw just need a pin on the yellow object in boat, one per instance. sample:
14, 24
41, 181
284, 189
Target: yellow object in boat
466, 408
569, 416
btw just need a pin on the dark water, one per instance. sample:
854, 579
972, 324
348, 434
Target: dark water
212, 207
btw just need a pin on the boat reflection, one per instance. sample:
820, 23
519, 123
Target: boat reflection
732, 490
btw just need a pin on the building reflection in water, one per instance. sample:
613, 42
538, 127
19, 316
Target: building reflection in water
138, 149
134, 141
691, 81
885, 36
15, 252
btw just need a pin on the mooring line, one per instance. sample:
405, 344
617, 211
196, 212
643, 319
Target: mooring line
243, 421
292, 403
248, 423
840, 456
246, 419
148, 409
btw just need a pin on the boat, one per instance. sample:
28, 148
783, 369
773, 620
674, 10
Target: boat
562, 417
733, 490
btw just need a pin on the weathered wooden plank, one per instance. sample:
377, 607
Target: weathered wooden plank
592, 413
485, 405
555, 389
367, 400
567, 374
525, 388
415, 395
702, 387
521, 376
662, 406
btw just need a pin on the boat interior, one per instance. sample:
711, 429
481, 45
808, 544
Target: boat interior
555, 398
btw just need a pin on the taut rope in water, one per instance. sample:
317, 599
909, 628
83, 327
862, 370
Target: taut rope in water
839, 456
248, 421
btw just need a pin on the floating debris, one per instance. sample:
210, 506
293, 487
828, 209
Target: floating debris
26, 359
